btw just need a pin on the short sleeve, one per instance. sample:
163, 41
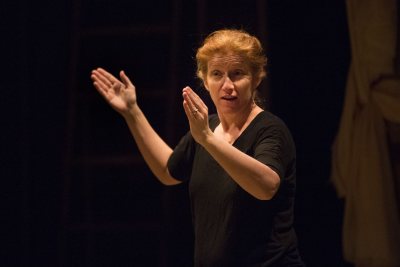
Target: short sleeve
181, 160
275, 148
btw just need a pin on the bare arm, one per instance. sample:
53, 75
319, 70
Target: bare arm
121, 95
253, 176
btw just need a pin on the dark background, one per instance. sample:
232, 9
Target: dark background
66, 206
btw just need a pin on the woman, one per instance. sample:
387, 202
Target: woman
240, 162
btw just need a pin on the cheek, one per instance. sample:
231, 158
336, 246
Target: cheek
213, 90
212, 86
246, 87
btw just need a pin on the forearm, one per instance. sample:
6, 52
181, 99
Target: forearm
153, 149
253, 176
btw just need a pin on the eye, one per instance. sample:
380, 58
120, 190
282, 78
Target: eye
215, 73
238, 73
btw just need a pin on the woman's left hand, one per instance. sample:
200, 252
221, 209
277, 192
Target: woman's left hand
197, 114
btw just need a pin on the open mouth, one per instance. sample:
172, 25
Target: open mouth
229, 98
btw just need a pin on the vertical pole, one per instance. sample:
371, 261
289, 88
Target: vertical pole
173, 69
201, 17
397, 58
24, 148
69, 138
263, 36
170, 122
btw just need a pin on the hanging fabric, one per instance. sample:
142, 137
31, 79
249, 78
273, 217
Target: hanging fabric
361, 168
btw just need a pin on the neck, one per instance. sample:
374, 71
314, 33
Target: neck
238, 120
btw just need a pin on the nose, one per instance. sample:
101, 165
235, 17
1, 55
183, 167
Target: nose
228, 85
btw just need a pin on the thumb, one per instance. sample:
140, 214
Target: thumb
125, 79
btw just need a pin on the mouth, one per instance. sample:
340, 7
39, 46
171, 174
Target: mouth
229, 98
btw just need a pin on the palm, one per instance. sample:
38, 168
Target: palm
122, 99
120, 94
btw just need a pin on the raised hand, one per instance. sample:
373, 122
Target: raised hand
197, 114
120, 94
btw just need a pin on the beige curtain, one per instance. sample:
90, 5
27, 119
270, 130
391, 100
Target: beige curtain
361, 169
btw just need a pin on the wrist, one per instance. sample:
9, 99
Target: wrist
208, 139
132, 112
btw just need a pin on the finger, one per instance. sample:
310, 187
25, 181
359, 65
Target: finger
125, 79
99, 83
199, 102
189, 102
100, 87
193, 110
103, 78
108, 76
109, 80
195, 101
101, 90
186, 108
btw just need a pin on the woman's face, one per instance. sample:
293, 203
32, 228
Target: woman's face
231, 83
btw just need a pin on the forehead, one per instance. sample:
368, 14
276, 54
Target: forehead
227, 60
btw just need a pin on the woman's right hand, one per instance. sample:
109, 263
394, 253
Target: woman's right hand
120, 94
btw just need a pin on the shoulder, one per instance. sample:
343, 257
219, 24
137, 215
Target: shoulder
266, 120
270, 128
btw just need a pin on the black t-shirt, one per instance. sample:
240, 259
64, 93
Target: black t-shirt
232, 228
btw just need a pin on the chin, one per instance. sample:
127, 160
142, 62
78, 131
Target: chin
228, 109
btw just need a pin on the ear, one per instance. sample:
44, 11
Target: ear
206, 85
256, 83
